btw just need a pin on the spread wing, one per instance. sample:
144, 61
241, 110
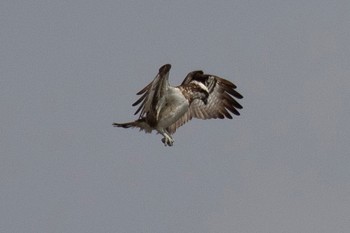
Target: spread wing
221, 100
153, 91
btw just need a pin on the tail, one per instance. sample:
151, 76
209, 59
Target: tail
124, 125
140, 123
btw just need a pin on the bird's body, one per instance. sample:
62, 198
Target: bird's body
171, 107
164, 108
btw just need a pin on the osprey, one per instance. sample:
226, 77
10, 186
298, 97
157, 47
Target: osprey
165, 108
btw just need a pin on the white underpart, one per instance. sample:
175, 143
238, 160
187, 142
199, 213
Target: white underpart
161, 103
171, 107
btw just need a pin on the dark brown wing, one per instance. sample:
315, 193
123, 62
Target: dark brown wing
153, 91
221, 100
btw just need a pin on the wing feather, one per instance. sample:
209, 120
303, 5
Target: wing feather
221, 100
153, 91
221, 103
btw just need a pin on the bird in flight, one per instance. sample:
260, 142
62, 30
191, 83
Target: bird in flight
165, 108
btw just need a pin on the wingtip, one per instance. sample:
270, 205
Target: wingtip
164, 69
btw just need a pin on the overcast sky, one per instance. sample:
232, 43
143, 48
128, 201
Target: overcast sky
68, 69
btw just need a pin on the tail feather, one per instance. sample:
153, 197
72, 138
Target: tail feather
140, 123
124, 125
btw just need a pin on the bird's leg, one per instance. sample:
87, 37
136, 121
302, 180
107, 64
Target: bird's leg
167, 140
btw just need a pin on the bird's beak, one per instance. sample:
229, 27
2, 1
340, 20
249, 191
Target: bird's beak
205, 101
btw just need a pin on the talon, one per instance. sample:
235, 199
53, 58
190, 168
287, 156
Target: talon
164, 141
167, 141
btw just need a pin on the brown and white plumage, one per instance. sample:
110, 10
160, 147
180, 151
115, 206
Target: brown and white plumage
165, 108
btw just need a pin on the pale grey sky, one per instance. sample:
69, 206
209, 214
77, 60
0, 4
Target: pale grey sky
71, 68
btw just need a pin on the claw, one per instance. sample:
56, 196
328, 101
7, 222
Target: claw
167, 141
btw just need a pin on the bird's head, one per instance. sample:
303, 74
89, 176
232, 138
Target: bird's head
200, 91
